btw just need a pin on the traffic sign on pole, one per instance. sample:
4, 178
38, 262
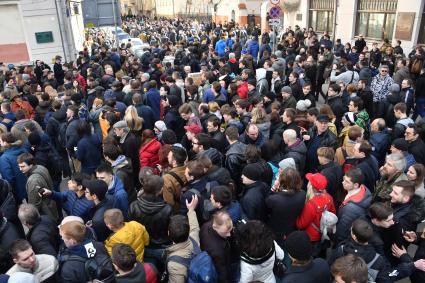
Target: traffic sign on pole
275, 2
274, 12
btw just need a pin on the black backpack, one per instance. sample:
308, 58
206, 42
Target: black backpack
99, 267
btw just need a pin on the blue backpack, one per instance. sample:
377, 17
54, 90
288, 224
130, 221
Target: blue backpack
200, 266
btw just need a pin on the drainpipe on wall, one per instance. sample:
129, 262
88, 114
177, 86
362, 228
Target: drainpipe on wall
60, 29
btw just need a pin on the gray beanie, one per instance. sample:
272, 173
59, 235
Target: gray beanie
286, 89
287, 163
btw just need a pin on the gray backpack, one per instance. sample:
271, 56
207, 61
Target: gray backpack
328, 222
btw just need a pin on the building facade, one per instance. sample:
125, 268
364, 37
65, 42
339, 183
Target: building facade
40, 30
374, 19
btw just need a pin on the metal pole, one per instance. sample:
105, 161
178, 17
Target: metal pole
115, 24
274, 38
334, 23
174, 11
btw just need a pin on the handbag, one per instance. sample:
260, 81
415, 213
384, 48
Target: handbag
279, 267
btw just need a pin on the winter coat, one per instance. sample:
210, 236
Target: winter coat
352, 208
367, 253
172, 188
89, 152
223, 251
218, 140
298, 152
154, 213
333, 173
98, 224
7, 202
264, 128
71, 270
130, 146
118, 196
253, 49
400, 127
72, 136
40, 112
213, 154
133, 234
283, 208
74, 205
148, 116
141, 273
38, 176
148, 153
235, 160
153, 100
8, 234
244, 138
22, 104
338, 108
312, 212
253, 201
379, 87
316, 271
381, 142
326, 139
416, 148
370, 169
123, 169
401, 74
44, 237
348, 77
9, 170
53, 128
260, 269
178, 272
220, 46
174, 122
384, 187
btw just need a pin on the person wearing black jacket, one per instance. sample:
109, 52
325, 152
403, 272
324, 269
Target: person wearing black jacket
332, 171
284, 204
153, 212
8, 234
96, 192
43, 232
416, 144
218, 241
367, 163
59, 72
235, 156
218, 138
334, 100
172, 118
254, 194
144, 112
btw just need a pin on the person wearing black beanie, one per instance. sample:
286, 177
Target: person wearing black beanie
304, 268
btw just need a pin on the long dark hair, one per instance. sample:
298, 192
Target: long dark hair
255, 239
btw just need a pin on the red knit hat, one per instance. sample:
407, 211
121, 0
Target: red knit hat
318, 181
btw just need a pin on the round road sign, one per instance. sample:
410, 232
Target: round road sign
274, 12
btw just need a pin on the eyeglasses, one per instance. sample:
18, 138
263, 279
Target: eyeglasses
384, 71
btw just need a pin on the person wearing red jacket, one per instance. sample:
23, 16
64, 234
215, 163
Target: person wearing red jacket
242, 88
149, 151
316, 200
19, 103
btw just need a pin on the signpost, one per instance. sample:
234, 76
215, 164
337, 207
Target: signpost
275, 14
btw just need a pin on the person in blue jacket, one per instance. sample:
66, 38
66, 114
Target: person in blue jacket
116, 192
153, 99
9, 168
89, 148
254, 48
220, 47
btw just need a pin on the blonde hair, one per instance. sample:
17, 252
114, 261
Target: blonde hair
311, 192
213, 106
74, 230
259, 115
221, 218
114, 217
134, 122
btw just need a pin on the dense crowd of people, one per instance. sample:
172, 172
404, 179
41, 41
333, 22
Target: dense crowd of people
210, 155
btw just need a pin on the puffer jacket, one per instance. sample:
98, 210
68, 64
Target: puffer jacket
44, 237
253, 203
254, 269
264, 128
9, 170
133, 234
148, 154
352, 208
298, 152
154, 213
